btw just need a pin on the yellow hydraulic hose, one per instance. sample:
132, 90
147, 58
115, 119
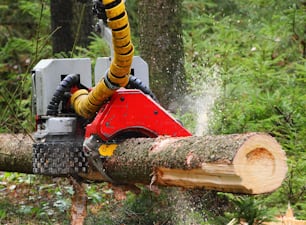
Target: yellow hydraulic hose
85, 103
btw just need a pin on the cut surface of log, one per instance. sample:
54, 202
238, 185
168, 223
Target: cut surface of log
251, 163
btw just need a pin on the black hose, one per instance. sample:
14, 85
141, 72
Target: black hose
136, 83
99, 10
64, 86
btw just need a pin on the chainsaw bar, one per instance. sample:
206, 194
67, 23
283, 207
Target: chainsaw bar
59, 158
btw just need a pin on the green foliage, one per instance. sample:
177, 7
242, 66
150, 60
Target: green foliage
30, 199
292, 191
15, 115
146, 208
24, 40
96, 48
249, 209
98, 194
24, 35
260, 58
250, 53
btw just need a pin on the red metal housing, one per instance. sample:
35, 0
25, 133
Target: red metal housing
131, 111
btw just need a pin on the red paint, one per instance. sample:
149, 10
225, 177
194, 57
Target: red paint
129, 110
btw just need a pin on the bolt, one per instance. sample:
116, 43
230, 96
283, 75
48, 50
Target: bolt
107, 124
155, 112
122, 98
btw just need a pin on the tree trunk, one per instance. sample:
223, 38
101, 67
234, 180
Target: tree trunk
161, 45
83, 22
72, 22
61, 23
250, 163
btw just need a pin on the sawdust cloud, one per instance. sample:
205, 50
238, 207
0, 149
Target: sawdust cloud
201, 104
207, 88
204, 104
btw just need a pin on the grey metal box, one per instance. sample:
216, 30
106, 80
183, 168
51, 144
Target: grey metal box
139, 69
47, 75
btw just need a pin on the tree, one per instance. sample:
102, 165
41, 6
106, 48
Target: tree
83, 22
161, 45
71, 22
61, 23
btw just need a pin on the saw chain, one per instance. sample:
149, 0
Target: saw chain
67, 158
59, 158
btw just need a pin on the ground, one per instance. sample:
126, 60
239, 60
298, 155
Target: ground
29, 199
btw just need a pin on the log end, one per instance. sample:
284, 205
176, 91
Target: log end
261, 164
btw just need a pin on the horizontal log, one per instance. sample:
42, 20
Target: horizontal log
16, 153
251, 163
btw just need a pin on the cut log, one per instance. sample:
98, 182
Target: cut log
16, 153
252, 163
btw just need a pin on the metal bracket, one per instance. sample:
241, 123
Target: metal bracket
90, 149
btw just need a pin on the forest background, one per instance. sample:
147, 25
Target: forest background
245, 63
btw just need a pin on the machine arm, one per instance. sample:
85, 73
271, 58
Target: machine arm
85, 103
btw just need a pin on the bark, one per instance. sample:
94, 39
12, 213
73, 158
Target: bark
161, 45
16, 153
73, 23
61, 22
250, 163
83, 22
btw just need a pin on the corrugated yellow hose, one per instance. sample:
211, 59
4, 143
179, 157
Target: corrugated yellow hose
85, 103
